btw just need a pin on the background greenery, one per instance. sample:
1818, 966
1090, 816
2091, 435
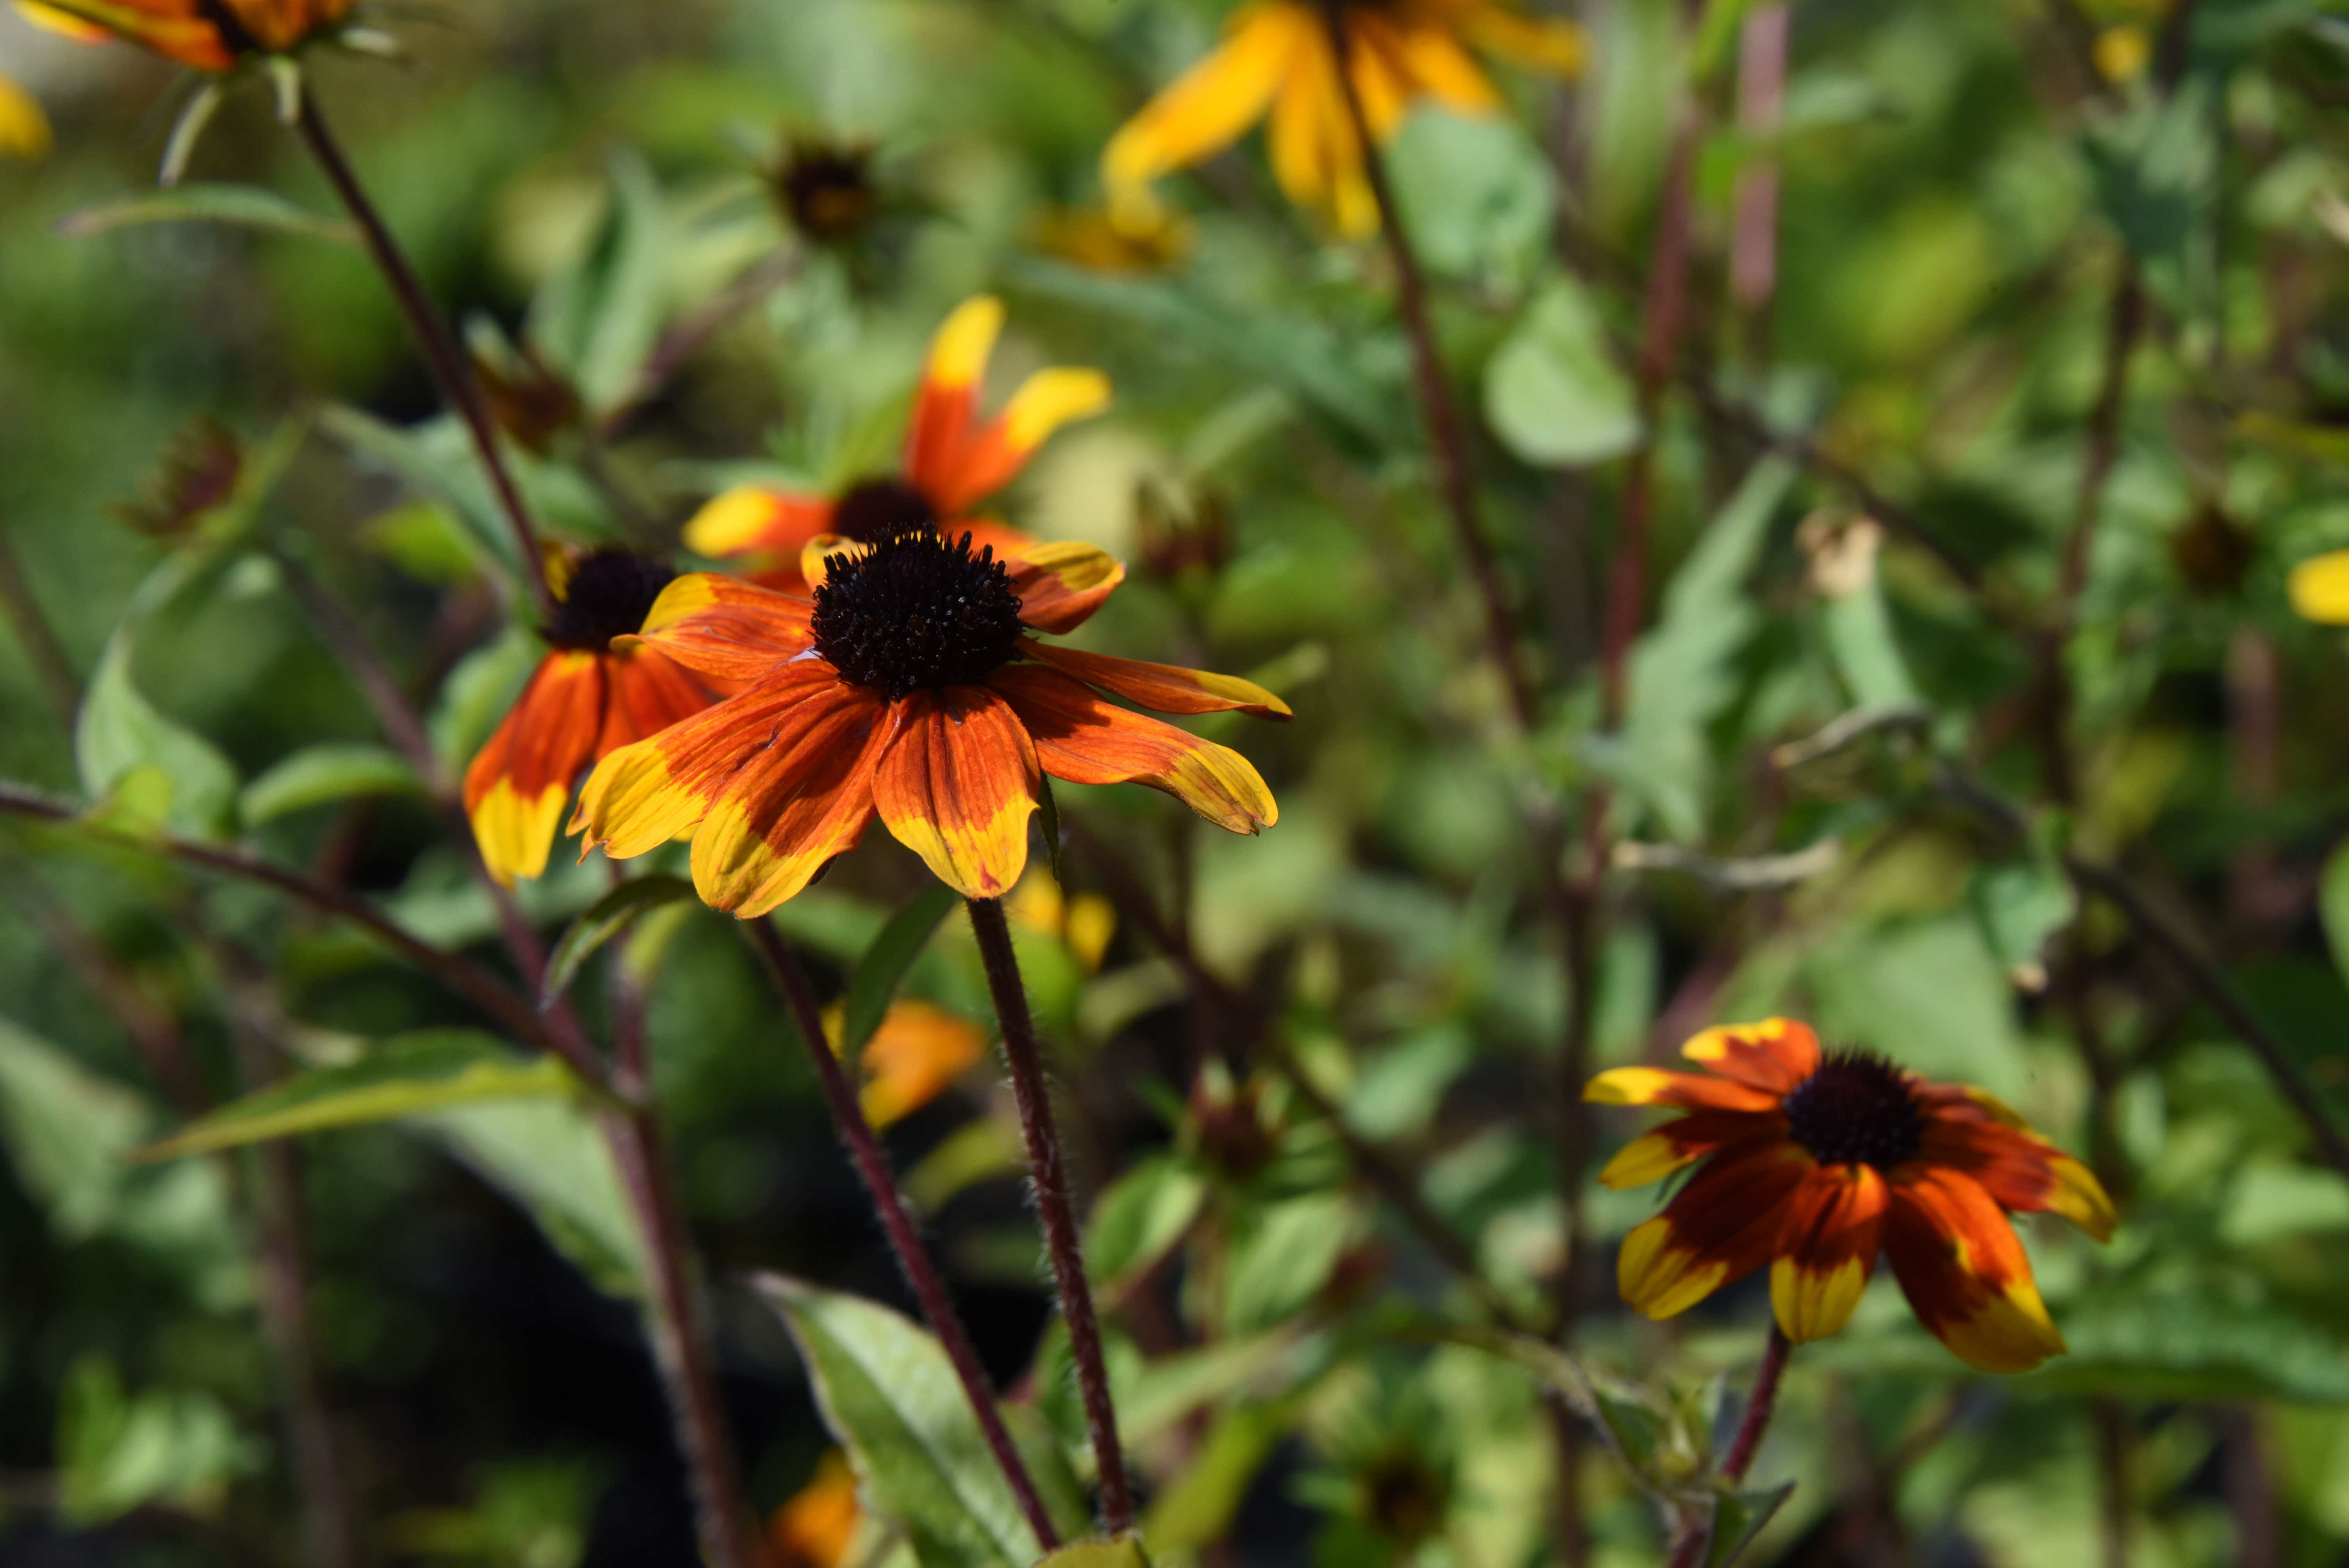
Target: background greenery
1962, 195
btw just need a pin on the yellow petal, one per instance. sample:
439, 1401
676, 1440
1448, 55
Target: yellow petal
1629, 1085
1812, 1303
1656, 1279
1049, 399
1646, 1159
958, 353
2319, 588
1210, 105
24, 129
514, 830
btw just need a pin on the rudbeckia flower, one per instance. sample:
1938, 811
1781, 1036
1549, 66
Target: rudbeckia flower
908, 688
24, 129
210, 35
816, 1527
1814, 1163
1277, 59
585, 700
954, 459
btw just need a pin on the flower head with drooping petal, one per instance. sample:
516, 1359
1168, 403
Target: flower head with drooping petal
1276, 60
909, 687
583, 701
1814, 1163
954, 459
210, 35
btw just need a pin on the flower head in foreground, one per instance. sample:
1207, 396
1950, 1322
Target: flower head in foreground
210, 35
1814, 1163
954, 459
908, 688
1277, 59
585, 700
24, 129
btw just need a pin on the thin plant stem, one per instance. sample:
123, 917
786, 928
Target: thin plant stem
905, 1239
1446, 431
674, 1325
433, 337
36, 637
1047, 1173
1696, 1535
2110, 1418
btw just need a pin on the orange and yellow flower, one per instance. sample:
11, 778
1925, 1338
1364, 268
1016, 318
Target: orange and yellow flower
585, 700
909, 687
954, 459
210, 35
817, 1525
24, 129
1277, 59
1814, 1163
912, 1058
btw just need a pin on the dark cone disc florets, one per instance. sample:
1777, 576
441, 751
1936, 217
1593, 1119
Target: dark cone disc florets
916, 613
1855, 1109
874, 511
607, 596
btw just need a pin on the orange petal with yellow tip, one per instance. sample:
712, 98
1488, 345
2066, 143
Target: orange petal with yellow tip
1690, 1091
1965, 1274
1060, 584
1163, 688
955, 457
1086, 739
803, 798
752, 518
958, 785
724, 627
1721, 1228
1827, 1250
518, 781
1679, 1142
1772, 1056
1966, 1131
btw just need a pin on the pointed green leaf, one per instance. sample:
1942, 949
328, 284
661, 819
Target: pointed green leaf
885, 961
323, 775
890, 1395
553, 1159
606, 919
1738, 1517
119, 730
402, 1077
1553, 392
246, 206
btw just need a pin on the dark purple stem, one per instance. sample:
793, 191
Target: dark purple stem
1698, 1533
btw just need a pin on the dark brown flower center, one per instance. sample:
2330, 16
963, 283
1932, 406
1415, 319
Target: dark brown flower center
828, 188
916, 613
607, 597
878, 510
1855, 1109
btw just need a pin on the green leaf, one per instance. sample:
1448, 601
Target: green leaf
1048, 822
118, 1451
246, 206
1552, 393
1141, 1215
1281, 1261
1738, 1517
2019, 909
885, 962
598, 321
604, 920
402, 1077
1197, 1507
2333, 906
322, 775
891, 1397
1125, 1552
553, 1159
1476, 195
435, 460
119, 730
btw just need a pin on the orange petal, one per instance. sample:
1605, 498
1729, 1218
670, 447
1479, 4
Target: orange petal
752, 518
1833, 1223
802, 799
1086, 740
955, 457
1688, 1091
1772, 1056
1965, 1274
518, 781
1060, 585
1722, 1226
177, 31
816, 1527
725, 628
1164, 688
958, 785
1969, 1131
917, 1053
1679, 1142
646, 691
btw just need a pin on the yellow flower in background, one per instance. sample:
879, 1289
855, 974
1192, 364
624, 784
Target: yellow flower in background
1277, 59
1099, 240
1083, 924
2319, 587
2123, 53
817, 1525
24, 129
912, 1058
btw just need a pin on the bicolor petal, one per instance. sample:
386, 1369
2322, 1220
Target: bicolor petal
800, 800
956, 785
1970, 1132
754, 520
1162, 688
1683, 1141
517, 783
725, 628
1688, 1091
1965, 1273
1086, 739
1833, 1223
1060, 584
1721, 1228
1772, 1056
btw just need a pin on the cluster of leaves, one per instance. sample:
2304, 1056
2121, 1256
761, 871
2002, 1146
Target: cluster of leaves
1873, 725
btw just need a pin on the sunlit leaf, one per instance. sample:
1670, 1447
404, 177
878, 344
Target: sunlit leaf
118, 730
1553, 392
323, 775
243, 206
606, 918
892, 951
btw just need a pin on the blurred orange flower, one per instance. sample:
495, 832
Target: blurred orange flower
210, 35
1813, 1163
913, 1058
1277, 59
954, 459
585, 700
908, 688
817, 1525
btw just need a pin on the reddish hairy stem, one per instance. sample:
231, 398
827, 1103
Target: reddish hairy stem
433, 337
1698, 1534
905, 1239
1049, 1176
